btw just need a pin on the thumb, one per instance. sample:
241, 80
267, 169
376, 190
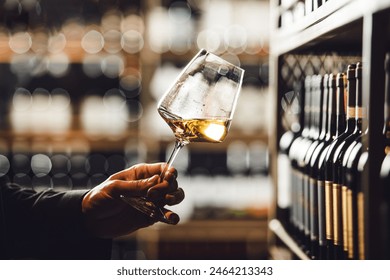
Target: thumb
133, 187
170, 217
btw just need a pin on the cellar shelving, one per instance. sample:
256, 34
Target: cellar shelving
349, 27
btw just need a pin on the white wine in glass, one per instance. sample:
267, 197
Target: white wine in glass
198, 107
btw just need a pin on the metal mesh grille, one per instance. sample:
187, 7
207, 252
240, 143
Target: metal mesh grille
293, 70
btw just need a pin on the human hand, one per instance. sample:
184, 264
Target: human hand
107, 215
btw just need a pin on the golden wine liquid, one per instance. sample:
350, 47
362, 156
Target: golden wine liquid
198, 130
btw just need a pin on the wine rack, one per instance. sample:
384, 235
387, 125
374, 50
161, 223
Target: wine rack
319, 37
60, 63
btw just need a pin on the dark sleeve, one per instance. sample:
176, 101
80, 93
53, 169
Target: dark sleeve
47, 225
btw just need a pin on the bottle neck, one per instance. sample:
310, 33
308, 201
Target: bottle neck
386, 125
360, 111
340, 92
307, 109
324, 107
331, 107
352, 96
316, 108
386, 131
300, 100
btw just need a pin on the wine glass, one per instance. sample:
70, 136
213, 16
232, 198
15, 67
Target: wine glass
198, 107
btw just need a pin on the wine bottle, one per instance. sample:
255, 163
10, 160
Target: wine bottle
333, 191
284, 192
318, 239
385, 206
385, 168
384, 199
321, 126
356, 152
386, 125
355, 118
284, 181
362, 160
337, 147
295, 155
325, 225
304, 153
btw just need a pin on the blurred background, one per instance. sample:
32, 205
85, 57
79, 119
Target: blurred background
79, 86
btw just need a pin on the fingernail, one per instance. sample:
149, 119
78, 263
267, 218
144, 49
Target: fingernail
172, 218
170, 176
153, 194
170, 199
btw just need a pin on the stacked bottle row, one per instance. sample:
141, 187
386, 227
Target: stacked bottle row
326, 160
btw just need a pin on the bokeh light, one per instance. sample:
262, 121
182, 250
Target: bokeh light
92, 65
132, 41
112, 41
22, 99
111, 20
113, 65
41, 164
92, 42
20, 42
57, 43
58, 64
40, 41
4, 165
130, 85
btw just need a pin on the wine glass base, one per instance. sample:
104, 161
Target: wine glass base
148, 208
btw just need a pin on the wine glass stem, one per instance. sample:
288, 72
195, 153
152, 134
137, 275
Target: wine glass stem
176, 149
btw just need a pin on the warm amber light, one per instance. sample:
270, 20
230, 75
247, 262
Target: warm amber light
215, 131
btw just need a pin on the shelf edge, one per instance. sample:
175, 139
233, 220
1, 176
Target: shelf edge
276, 227
346, 12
